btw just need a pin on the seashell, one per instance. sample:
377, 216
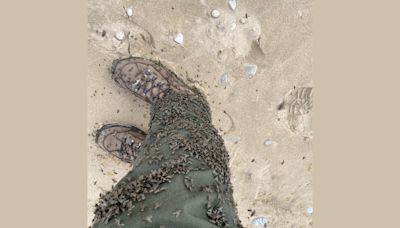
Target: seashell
129, 12
268, 142
250, 69
215, 13
120, 35
259, 222
223, 79
232, 4
179, 38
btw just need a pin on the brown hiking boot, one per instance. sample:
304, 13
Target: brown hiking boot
147, 79
122, 141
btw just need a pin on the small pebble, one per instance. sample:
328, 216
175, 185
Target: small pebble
268, 142
215, 13
243, 20
250, 70
232, 4
233, 26
223, 79
179, 38
129, 12
310, 210
300, 13
119, 35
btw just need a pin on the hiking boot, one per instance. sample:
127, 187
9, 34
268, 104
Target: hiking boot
147, 79
122, 141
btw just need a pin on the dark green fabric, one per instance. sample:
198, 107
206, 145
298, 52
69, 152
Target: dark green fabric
181, 178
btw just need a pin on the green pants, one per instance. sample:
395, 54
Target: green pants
181, 177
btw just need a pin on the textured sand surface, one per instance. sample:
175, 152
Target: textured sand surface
272, 179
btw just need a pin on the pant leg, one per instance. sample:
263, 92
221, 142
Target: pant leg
182, 178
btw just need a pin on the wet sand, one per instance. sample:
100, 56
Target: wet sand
265, 119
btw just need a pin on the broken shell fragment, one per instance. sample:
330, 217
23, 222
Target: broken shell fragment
179, 38
120, 35
232, 4
268, 142
223, 79
129, 12
250, 70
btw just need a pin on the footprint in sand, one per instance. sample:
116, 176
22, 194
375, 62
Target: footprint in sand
223, 122
297, 105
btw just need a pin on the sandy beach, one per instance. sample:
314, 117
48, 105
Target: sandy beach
254, 64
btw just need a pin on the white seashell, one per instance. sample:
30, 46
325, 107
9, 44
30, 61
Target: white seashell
250, 70
223, 79
215, 13
119, 35
179, 38
129, 12
268, 142
232, 4
310, 210
259, 221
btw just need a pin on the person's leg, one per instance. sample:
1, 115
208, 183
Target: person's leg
181, 178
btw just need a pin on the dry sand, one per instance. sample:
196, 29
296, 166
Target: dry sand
274, 180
